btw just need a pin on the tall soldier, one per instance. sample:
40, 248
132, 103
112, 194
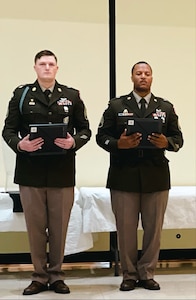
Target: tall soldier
46, 182
139, 177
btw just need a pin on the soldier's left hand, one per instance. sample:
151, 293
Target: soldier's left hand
65, 143
158, 140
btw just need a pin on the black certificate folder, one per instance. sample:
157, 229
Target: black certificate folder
49, 132
145, 126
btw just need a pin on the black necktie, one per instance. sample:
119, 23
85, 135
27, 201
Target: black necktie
143, 106
47, 94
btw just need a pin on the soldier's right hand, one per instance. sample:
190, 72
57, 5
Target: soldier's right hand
30, 145
129, 141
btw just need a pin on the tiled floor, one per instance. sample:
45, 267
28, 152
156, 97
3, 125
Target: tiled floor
97, 281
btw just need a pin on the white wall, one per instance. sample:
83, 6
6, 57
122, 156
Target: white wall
77, 31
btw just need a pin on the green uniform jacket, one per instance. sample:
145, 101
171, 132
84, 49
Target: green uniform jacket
136, 170
65, 105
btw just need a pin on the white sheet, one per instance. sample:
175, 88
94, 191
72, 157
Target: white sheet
97, 211
92, 212
77, 240
98, 215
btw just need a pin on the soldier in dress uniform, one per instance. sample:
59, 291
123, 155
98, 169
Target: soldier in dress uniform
139, 176
46, 182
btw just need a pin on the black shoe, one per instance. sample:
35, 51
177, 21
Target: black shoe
128, 285
149, 284
34, 288
59, 287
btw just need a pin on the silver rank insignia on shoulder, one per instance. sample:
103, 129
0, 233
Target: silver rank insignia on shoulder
59, 90
34, 89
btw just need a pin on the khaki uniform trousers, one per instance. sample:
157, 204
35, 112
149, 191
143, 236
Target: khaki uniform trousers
127, 208
47, 212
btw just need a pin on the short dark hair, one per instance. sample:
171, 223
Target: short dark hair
140, 62
44, 53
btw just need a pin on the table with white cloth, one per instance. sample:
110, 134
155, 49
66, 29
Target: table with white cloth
92, 214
